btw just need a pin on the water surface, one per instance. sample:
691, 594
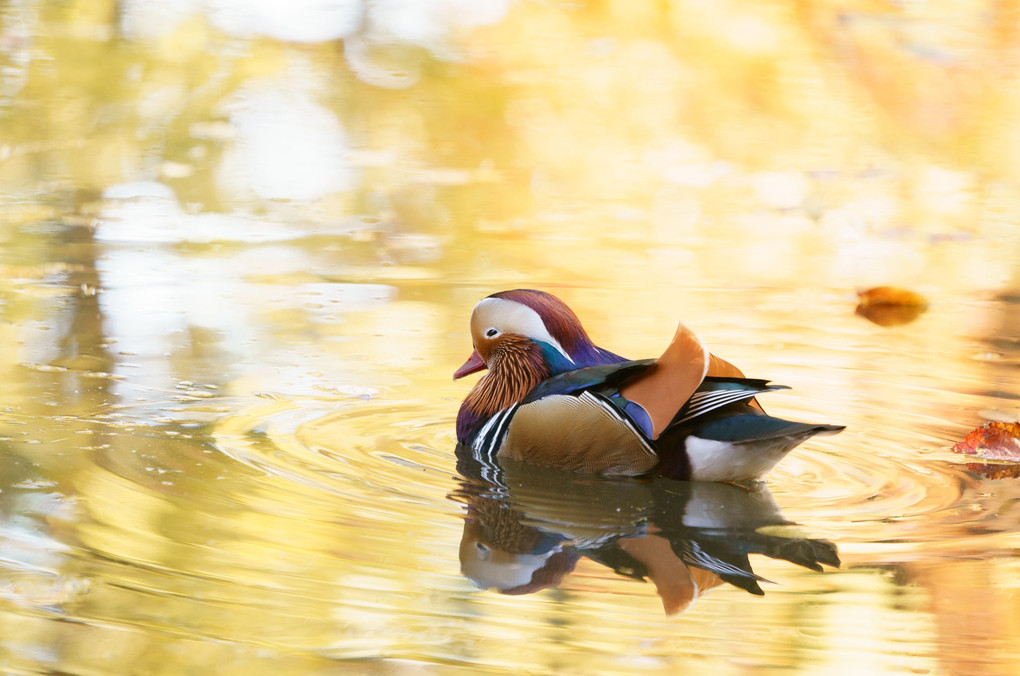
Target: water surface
239, 253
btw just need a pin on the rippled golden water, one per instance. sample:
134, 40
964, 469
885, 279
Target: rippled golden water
240, 243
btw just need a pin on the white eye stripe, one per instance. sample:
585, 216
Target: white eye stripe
509, 316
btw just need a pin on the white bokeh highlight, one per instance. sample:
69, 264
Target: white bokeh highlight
287, 147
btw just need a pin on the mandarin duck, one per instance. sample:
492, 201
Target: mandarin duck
552, 397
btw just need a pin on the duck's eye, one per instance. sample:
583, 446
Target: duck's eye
491, 333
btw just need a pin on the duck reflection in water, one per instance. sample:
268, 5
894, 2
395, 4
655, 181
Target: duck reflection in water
527, 527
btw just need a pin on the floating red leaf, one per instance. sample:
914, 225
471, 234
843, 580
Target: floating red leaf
996, 441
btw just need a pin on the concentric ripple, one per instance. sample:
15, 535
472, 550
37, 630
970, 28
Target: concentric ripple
346, 447
839, 487
886, 503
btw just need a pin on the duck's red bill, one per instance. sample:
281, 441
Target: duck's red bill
473, 364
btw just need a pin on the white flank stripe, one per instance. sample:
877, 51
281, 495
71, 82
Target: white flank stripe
503, 428
480, 437
481, 442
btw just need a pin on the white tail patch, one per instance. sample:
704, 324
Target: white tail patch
726, 461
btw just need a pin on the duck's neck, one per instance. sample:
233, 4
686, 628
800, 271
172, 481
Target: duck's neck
515, 368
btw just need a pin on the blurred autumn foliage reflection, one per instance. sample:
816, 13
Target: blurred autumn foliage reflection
240, 241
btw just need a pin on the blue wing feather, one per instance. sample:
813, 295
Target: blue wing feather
590, 377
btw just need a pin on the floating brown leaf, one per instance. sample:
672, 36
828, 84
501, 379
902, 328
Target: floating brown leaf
890, 306
996, 441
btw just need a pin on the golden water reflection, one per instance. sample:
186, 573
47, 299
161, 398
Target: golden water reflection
526, 528
240, 246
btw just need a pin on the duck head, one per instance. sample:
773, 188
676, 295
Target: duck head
505, 320
522, 337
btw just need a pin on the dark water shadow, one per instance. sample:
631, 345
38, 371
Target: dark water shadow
526, 528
